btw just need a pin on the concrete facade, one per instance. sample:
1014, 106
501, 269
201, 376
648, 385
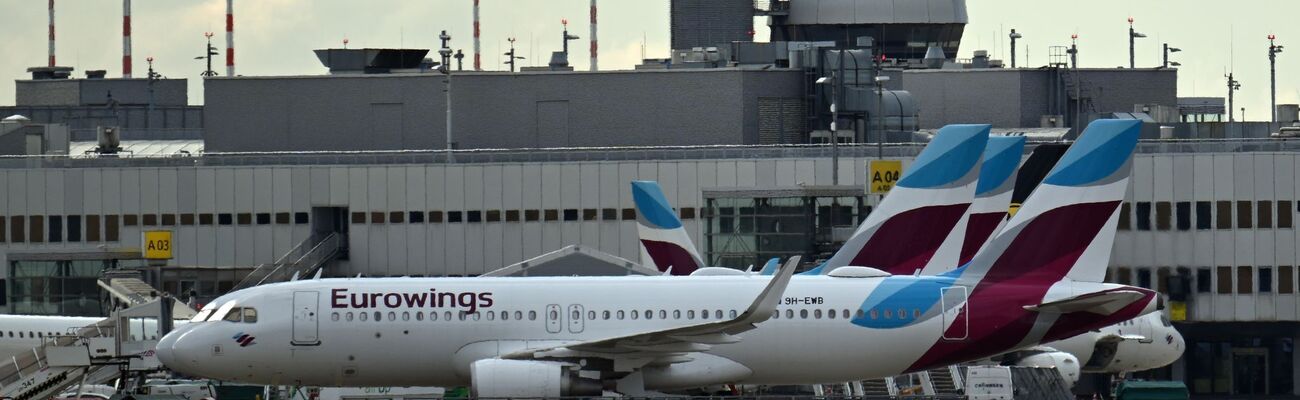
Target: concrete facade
97, 92
491, 110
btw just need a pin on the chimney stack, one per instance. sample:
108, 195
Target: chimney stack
51, 33
478, 66
126, 39
230, 37
593, 35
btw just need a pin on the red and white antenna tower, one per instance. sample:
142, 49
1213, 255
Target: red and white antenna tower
230, 37
478, 58
126, 39
51, 33
594, 46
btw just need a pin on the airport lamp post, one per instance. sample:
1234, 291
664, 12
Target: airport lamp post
835, 115
445, 69
1233, 86
1273, 49
1133, 35
1168, 50
1014, 36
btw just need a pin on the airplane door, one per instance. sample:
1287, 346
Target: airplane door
955, 323
553, 318
575, 318
305, 325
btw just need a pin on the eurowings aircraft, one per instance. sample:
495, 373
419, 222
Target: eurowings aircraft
1143, 343
1039, 281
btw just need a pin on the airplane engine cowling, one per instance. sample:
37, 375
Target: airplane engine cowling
495, 378
1065, 363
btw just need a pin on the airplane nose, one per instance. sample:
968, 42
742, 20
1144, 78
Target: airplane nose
165, 352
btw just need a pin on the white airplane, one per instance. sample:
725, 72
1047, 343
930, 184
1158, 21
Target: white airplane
1039, 281
1151, 342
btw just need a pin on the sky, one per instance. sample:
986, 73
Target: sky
274, 37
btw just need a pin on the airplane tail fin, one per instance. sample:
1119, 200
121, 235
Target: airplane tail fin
1066, 227
918, 226
664, 242
988, 214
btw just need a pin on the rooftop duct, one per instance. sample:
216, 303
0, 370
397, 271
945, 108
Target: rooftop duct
371, 61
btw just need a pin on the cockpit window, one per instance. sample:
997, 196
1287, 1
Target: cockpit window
250, 315
222, 312
233, 315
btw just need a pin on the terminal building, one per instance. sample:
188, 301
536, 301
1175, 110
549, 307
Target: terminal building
349, 170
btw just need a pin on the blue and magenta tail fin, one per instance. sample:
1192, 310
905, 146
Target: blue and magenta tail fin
921, 223
988, 214
1066, 228
664, 242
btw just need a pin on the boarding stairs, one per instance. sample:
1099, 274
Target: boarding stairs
302, 261
90, 355
944, 381
879, 387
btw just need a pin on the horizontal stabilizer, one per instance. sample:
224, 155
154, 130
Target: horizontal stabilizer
1102, 303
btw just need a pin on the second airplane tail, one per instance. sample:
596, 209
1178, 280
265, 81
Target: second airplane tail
664, 242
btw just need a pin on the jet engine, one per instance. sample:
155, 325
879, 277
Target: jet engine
495, 378
1065, 363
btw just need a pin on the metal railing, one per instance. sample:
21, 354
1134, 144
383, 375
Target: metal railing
584, 154
303, 260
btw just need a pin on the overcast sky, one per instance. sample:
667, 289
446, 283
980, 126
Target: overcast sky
274, 37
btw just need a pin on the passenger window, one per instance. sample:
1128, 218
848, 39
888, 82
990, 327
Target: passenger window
889, 314
846, 313
555, 315
232, 315
733, 313
649, 314
690, 314
875, 314
250, 315
433, 316
776, 314
364, 315
789, 313
916, 313
604, 315
379, 316
334, 317
532, 315
620, 315
635, 314
419, 315
830, 314
519, 315
505, 315
704, 314
475, 315
803, 314
902, 314
591, 315
406, 315
348, 316
663, 314
817, 314
461, 315
677, 314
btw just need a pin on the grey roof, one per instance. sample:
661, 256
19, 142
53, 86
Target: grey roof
144, 148
574, 260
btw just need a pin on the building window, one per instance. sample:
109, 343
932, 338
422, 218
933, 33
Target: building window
1265, 279
512, 215
150, 220
222, 219
282, 218
1144, 278
416, 217
1223, 217
1284, 214
1143, 216
551, 215
244, 218
1163, 215
301, 218
1244, 214
74, 228
1123, 275
609, 214
1203, 216
435, 217
396, 217
111, 230
454, 216
688, 212
4, 231
205, 219
376, 217
1204, 280
187, 219
169, 219
475, 216
1224, 284
37, 231
1245, 280
17, 229
494, 216
589, 214
130, 220
92, 228
56, 229
1162, 279
531, 215
1285, 280
1125, 219
629, 214
570, 214
263, 218
1265, 215
1183, 215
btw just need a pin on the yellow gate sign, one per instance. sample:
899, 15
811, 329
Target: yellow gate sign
883, 175
157, 245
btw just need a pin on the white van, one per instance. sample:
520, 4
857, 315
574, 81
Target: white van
989, 382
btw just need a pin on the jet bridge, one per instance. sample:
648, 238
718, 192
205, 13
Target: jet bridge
93, 354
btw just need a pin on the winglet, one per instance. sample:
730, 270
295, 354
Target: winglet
766, 303
770, 267
318, 274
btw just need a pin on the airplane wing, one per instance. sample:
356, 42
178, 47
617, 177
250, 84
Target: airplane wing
671, 343
1104, 303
